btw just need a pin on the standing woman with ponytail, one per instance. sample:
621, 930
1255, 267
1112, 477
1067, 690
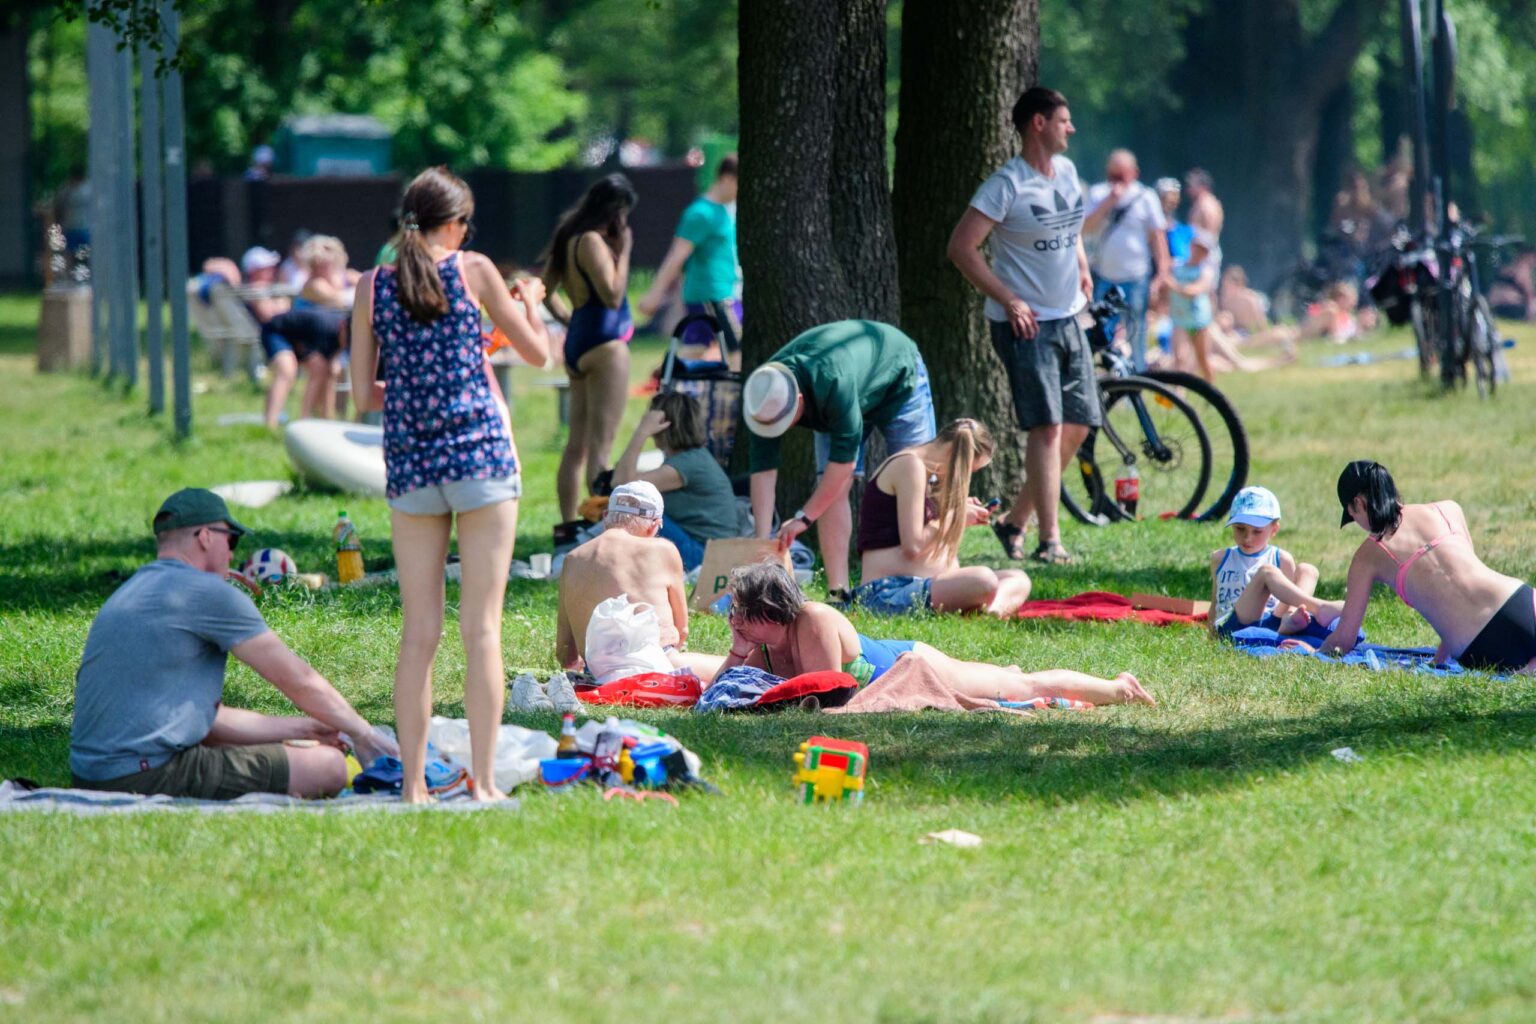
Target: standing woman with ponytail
417, 354
589, 258
915, 512
1486, 620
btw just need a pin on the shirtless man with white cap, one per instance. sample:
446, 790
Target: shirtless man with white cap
628, 558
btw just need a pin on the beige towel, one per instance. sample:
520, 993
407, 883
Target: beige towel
912, 685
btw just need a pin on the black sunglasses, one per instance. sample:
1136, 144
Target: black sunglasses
232, 536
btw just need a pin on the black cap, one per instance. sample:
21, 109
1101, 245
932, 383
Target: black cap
1351, 482
194, 506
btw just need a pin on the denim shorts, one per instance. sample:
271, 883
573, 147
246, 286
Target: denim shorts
912, 425
895, 595
457, 496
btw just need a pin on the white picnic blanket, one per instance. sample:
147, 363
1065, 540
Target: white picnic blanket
89, 803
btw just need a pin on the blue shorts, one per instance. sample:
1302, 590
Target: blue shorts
882, 654
912, 425
1229, 624
895, 595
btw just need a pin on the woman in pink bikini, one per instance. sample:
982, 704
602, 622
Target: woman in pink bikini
1486, 620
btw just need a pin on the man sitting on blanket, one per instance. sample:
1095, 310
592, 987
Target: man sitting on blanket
628, 558
149, 711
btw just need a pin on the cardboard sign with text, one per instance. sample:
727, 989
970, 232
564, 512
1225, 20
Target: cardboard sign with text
723, 555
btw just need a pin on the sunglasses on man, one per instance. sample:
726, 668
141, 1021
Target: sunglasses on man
232, 537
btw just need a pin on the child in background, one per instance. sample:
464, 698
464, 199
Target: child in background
1189, 304
1255, 583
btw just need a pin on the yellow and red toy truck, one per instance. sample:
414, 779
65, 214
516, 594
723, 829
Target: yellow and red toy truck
829, 770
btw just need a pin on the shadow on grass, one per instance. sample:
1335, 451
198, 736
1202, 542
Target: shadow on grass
1065, 758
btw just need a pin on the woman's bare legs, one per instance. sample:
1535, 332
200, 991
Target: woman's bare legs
978, 588
421, 551
606, 369
486, 536
284, 370
997, 682
318, 370
568, 476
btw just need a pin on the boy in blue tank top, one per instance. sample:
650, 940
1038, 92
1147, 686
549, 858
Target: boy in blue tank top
1255, 583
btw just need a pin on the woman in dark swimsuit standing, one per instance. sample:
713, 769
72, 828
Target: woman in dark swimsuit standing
1486, 620
588, 258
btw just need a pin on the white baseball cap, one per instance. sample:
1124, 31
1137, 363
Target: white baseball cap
258, 258
637, 498
771, 400
1254, 506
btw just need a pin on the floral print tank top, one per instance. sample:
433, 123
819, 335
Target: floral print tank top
440, 421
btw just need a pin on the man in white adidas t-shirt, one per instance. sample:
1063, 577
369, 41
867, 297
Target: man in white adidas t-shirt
1032, 209
1125, 220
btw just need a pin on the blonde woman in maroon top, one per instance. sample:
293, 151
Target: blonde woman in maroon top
916, 509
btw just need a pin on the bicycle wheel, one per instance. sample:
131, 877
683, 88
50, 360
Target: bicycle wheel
1228, 437
1082, 487
1148, 426
1482, 341
1422, 313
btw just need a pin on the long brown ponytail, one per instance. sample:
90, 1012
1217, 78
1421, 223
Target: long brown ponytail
969, 443
436, 197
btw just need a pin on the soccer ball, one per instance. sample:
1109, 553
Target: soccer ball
269, 565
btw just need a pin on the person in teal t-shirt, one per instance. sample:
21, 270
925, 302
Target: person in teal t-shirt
842, 380
704, 253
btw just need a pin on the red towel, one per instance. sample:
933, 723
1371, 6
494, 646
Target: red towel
1098, 606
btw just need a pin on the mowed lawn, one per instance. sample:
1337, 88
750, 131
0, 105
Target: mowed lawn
1206, 860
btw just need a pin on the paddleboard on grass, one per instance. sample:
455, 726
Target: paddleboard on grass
334, 453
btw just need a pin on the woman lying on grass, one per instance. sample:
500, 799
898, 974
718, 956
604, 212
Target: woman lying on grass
1486, 620
773, 627
910, 539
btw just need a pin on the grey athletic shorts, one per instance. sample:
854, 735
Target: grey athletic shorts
457, 496
1051, 375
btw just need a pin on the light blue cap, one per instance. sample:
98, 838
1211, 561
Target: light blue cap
1254, 506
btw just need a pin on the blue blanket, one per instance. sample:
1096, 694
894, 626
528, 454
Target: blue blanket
1265, 643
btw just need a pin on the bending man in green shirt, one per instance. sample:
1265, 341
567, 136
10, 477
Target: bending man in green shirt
841, 380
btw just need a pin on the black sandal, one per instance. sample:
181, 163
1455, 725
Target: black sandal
1011, 538
1051, 554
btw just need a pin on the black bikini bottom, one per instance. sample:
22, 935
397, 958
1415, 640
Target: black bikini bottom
1508, 642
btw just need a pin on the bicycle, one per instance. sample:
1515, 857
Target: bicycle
1469, 335
1403, 291
1153, 421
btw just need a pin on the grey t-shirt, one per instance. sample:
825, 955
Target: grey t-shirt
705, 506
1034, 245
152, 675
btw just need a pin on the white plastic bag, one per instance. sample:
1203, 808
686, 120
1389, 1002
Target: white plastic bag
518, 750
623, 640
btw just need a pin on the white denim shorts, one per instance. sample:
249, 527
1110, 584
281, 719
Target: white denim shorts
458, 496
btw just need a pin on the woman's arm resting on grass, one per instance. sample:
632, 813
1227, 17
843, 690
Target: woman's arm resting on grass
1357, 595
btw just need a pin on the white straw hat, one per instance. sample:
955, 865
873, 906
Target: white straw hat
771, 400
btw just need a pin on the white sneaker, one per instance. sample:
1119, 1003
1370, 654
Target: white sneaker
528, 694
563, 695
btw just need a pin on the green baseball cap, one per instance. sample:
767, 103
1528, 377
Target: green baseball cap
195, 506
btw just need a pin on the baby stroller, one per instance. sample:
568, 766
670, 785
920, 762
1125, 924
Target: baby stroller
712, 383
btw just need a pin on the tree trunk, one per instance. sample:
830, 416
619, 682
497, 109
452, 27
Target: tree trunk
963, 65
814, 213
15, 155
862, 234
1332, 156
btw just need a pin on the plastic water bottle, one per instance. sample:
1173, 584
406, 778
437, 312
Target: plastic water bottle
349, 550
1128, 488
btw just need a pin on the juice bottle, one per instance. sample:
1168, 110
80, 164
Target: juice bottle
349, 550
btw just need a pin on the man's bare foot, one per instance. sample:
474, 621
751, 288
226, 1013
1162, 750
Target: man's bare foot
1135, 692
486, 794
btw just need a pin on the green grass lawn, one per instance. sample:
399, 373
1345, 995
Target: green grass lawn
1207, 860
